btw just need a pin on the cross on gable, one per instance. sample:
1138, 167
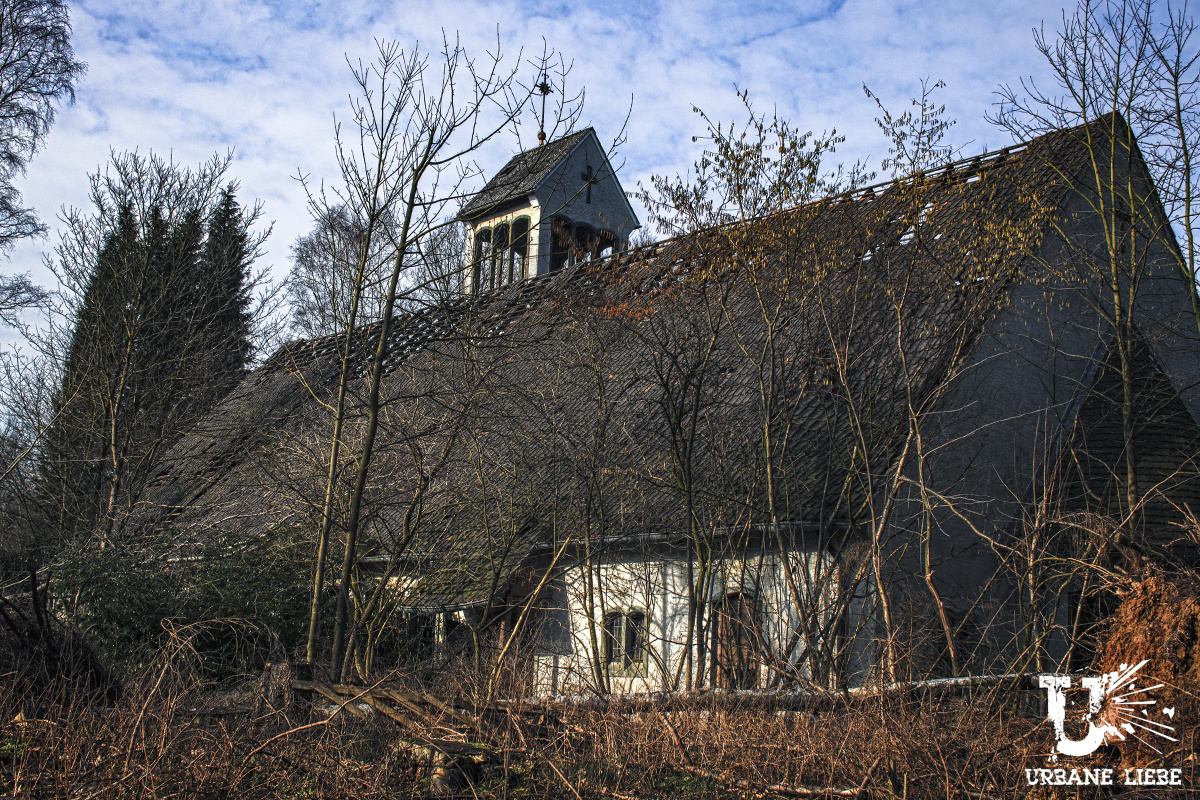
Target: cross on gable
589, 176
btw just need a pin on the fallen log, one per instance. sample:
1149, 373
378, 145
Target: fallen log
798, 700
775, 788
348, 697
403, 700
329, 694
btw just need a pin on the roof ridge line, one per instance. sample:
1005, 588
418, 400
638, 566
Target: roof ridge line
978, 163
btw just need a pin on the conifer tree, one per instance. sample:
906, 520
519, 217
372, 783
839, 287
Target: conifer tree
73, 459
161, 333
227, 258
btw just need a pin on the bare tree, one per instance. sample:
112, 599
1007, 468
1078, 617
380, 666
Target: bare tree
418, 119
745, 192
37, 69
321, 285
442, 265
325, 262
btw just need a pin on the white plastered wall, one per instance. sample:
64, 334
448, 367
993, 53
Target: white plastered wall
533, 213
571, 649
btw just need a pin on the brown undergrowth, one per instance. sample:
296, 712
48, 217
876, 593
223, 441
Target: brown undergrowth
171, 735
170, 732
1158, 621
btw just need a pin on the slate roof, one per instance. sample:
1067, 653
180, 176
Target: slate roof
522, 175
554, 389
1166, 443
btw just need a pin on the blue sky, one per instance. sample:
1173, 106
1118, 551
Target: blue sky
188, 78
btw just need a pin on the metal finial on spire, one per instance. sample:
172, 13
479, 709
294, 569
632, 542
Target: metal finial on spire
544, 88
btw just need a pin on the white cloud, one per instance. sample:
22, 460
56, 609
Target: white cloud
193, 78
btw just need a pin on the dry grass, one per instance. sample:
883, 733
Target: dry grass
171, 736
169, 733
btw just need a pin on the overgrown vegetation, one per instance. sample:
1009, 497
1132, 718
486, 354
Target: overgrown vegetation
150, 660
171, 732
130, 599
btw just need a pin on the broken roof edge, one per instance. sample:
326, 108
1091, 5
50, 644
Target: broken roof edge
974, 165
958, 171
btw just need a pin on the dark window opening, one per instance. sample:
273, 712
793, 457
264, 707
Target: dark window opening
585, 243
519, 249
635, 638
499, 267
560, 243
738, 642
606, 243
417, 637
456, 634
575, 242
483, 250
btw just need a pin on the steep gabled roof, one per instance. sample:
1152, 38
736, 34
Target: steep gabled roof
523, 174
516, 379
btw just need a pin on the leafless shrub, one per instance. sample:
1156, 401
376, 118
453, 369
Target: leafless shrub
173, 733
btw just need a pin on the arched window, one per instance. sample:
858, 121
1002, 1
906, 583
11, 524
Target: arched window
499, 269
625, 634
606, 242
614, 625
635, 640
519, 249
483, 252
585, 243
560, 243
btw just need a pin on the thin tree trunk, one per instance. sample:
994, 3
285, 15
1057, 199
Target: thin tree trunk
364, 464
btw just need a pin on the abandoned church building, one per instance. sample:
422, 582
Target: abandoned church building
867, 438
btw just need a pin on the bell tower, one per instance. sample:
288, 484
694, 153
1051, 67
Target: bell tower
549, 207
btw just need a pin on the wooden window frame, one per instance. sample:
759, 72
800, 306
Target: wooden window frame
482, 250
626, 635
